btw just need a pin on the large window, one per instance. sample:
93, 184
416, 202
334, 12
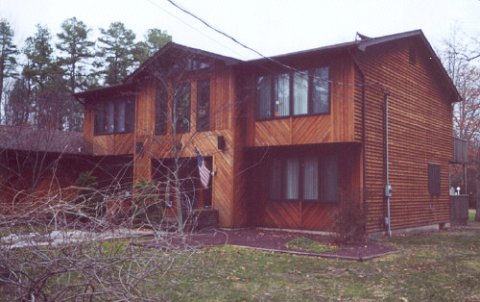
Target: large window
203, 105
181, 113
114, 116
161, 103
299, 93
303, 178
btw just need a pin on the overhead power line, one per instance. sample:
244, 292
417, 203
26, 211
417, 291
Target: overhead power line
214, 28
194, 28
231, 37
236, 41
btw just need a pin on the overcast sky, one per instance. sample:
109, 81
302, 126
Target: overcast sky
269, 26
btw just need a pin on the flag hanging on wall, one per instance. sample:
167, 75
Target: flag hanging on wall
203, 171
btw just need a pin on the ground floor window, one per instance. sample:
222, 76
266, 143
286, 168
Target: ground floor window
309, 178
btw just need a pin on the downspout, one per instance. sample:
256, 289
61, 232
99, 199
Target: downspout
388, 187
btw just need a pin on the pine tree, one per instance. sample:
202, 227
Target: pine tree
38, 50
76, 49
154, 40
117, 51
8, 52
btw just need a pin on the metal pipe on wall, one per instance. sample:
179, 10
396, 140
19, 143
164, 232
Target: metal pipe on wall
388, 187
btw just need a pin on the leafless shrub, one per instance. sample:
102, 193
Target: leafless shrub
349, 223
75, 244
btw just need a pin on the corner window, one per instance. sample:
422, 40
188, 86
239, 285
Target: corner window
264, 97
434, 179
161, 103
303, 178
203, 105
282, 95
303, 92
114, 116
181, 108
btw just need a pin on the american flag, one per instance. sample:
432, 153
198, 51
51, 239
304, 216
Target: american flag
202, 170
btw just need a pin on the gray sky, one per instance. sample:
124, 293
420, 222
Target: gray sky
269, 26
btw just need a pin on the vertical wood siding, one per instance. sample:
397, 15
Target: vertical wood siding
420, 132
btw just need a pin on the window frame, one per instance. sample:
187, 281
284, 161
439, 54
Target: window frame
161, 108
282, 159
175, 122
100, 107
203, 125
259, 116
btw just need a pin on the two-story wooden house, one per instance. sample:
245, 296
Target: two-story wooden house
291, 139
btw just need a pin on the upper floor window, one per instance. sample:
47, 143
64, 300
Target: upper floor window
197, 64
181, 108
114, 116
299, 93
203, 105
161, 103
303, 178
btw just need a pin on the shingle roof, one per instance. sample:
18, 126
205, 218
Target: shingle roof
358, 45
27, 138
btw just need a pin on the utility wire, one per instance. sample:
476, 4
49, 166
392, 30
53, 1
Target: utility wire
236, 41
214, 28
229, 36
194, 28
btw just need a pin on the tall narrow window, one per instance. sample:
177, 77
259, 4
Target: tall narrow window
329, 178
181, 115
110, 117
275, 179
310, 178
129, 115
282, 95
264, 97
120, 116
292, 178
99, 118
320, 91
203, 105
161, 101
300, 93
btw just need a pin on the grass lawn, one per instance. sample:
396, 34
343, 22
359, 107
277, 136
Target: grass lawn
442, 266
435, 267
471, 215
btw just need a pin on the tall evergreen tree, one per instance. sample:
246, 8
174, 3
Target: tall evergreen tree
8, 52
76, 49
117, 45
18, 106
38, 50
154, 40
